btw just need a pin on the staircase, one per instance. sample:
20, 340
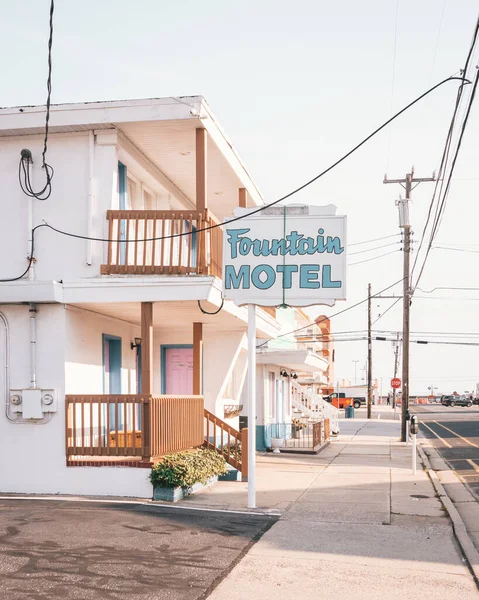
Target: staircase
304, 401
227, 441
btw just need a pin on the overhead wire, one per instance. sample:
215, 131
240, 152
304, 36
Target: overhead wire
440, 185
281, 199
375, 239
375, 248
440, 211
333, 315
26, 160
386, 311
372, 258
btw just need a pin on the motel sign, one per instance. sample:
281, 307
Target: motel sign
293, 255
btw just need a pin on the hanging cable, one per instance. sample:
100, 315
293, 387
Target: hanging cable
30, 258
441, 207
375, 248
26, 159
331, 316
387, 310
373, 258
205, 312
295, 191
444, 161
386, 237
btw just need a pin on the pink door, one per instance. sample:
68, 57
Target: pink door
179, 371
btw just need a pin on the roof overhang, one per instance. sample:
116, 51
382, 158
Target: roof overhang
296, 360
163, 129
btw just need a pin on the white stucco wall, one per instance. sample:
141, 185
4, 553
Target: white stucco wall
69, 360
58, 257
84, 351
33, 455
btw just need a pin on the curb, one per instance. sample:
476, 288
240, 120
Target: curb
458, 526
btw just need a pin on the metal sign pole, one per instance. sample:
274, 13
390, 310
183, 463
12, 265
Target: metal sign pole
251, 406
414, 454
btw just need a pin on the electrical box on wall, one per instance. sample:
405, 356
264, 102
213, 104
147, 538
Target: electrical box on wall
33, 403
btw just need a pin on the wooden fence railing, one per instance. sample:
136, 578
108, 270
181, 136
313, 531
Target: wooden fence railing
227, 441
176, 423
317, 434
132, 425
176, 242
327, 429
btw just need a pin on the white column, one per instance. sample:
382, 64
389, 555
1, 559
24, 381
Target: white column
251, 406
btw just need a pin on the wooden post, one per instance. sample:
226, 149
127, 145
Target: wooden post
242, 200
146, 347
201, 152
244, 454
197, 359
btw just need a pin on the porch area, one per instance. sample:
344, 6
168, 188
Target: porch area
137, 430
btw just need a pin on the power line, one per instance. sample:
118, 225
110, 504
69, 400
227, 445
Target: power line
455, 249
441, 203
438, 38
375, 248
295, 191
373, 258
375, 239
331, 316
466, 289
387, 310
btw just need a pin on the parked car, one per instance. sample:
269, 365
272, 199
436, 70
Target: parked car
456, 400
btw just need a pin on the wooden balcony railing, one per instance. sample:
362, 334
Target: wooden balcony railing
129, 426
227, 441
169, 242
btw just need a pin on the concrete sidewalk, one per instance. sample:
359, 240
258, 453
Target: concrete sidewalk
355, 524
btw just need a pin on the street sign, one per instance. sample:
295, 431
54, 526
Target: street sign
395, 383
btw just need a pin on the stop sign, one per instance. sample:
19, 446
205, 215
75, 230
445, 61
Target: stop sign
395, 383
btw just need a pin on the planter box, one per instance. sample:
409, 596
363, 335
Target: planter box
169, 494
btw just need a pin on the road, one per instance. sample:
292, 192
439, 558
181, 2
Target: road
455, 434
90, 551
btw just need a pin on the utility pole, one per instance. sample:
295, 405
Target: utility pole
396, 363
403, 206
370, 358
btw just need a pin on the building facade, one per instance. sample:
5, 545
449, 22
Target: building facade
117, 312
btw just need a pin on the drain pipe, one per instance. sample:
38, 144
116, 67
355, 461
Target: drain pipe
91, 196
4, 321
33, 345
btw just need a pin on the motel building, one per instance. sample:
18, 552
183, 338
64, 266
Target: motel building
116, 346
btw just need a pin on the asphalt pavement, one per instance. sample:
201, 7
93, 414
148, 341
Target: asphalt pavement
110, 551
454, 432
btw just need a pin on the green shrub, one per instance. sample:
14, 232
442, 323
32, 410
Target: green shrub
183, 469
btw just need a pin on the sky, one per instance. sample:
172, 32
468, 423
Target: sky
295, 85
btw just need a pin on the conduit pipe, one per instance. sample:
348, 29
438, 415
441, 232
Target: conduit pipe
91, 196
6, 366
33, 345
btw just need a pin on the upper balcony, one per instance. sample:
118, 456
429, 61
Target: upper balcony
163, 242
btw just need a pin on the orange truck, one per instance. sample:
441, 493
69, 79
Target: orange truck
341, 401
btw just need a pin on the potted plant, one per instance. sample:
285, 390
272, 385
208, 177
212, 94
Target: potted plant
183, 473
296, 427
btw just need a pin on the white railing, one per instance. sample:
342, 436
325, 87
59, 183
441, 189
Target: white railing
314, 407
332, 413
